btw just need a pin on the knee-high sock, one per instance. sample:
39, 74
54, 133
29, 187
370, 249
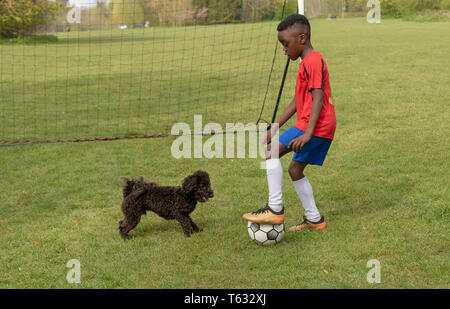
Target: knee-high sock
274, 171
305, 193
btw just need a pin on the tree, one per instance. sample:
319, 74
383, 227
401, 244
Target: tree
162, 9
220, 11
128, 12
254, 10
99, 16
20, 17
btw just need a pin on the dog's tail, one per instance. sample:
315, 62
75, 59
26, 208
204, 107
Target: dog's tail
130, 185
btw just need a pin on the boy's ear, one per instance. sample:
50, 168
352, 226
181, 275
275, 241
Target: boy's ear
302, 38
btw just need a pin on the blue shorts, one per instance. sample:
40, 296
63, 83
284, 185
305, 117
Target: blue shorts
313, 152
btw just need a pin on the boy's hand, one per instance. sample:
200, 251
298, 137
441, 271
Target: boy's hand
268, 138
298, 143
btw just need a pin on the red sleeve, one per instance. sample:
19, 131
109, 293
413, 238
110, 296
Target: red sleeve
315, 71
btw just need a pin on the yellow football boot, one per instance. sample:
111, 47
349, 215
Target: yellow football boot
306, 224
265, 216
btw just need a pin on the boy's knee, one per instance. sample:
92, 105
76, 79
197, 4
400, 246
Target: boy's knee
276, 150
295, 170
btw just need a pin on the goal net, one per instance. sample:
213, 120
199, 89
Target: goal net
133, 67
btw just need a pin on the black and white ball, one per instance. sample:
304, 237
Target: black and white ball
265, 234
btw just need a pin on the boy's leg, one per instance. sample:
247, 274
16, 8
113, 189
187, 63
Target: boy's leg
274, 171
273, 213
296, 170
305, 193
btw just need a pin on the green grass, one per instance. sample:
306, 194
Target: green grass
383, 189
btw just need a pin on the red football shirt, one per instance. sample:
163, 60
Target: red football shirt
312, 74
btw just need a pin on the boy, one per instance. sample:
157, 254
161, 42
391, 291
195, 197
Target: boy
310, 137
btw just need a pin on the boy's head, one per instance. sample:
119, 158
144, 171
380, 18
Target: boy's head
294, 33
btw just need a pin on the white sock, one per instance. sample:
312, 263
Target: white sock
305, 193
275, 180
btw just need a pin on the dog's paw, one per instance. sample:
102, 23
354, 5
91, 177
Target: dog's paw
188, 233
124, 237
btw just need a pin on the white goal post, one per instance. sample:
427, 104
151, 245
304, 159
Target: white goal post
301, 7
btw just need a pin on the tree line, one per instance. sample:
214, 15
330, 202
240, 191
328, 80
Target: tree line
19, 18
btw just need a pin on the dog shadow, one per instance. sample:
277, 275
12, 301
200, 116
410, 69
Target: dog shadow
157, 226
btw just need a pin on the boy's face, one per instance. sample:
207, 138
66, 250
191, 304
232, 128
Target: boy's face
293, 42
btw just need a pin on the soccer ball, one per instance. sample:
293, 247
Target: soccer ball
265, 234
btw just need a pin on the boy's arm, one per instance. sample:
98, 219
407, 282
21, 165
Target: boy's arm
290, 110
316, 107
299, 142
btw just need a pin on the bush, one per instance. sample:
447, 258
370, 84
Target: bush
399, 8
290, 8
390, 8
220, 12
31, 40
20, 17
232, 11
445, 4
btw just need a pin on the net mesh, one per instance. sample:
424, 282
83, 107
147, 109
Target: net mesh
131, 67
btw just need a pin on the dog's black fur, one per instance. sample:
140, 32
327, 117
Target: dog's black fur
168, 202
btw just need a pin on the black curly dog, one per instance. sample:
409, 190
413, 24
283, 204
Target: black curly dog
168, 202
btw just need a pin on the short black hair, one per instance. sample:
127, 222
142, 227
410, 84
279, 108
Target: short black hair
294, 19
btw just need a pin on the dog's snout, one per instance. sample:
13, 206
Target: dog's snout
210, 192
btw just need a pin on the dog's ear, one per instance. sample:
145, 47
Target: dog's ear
202, 175
190, 183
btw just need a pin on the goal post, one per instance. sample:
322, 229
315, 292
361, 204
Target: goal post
301, 7
300, 10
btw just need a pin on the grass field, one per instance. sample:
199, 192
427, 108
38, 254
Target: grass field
383, 189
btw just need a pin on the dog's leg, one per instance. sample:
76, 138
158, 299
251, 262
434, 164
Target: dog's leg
127, 224
195, 227
185, 223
